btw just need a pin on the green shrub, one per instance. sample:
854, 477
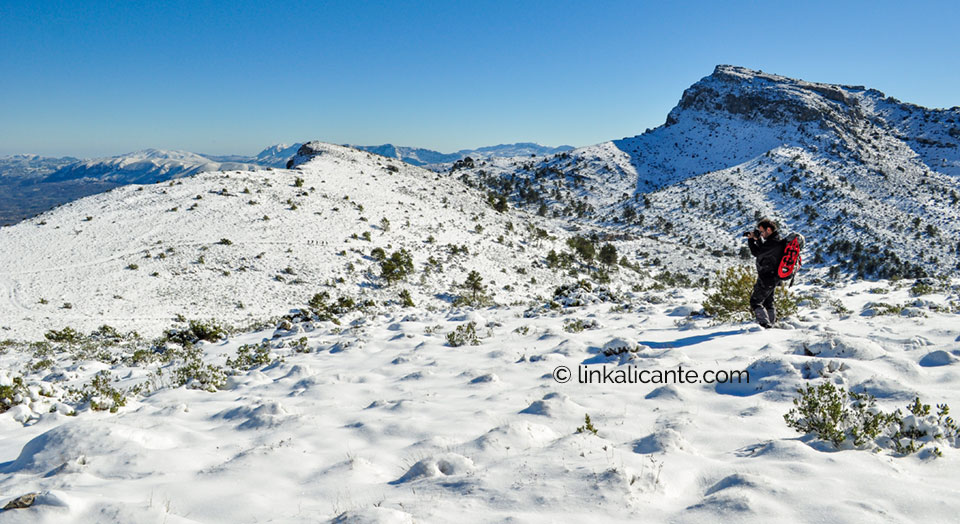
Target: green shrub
578, 325
406, 299
397, 266
225, 242
331, 312
66, 335
300, 345
464, 334
587, 427
835, 415
882, 308
837, 307
730, 301
920, 428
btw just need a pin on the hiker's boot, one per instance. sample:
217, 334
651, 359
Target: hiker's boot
762, 317
772, 316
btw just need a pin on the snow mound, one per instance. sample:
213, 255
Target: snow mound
264, 415
661, 441
769, 374
516, 436
836, 346
668, 392
938, 358
97, 448
554, 405
444, 465
373, 515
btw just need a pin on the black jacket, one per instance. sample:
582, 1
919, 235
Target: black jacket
768, 253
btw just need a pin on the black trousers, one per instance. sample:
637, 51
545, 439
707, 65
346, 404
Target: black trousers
763, 293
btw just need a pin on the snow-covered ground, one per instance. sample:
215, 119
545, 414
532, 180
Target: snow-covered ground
379, 419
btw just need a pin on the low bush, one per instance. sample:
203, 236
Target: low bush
250, 356
835, 415
397, 267
730, 300
464, 334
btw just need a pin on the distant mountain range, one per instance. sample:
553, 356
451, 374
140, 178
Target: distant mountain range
30, 184
426, 157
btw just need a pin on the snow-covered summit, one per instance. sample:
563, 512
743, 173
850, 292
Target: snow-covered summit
872, 181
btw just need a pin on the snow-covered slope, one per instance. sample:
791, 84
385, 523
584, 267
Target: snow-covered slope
856, 172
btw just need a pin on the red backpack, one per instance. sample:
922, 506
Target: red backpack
791, 256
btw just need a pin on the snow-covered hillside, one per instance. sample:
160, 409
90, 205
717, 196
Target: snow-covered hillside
138, 256
870, 181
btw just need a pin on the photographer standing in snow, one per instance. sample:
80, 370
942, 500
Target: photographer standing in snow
765, 244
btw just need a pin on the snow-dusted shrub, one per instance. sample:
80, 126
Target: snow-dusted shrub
66, 335
835, 415
578, 325
464, 334
196, 374
730, 300
250, 356
101, 395
331, 312
196, 331
581, 293
12, 392
920, 427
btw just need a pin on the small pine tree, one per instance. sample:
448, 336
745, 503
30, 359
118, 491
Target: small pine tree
583, 247
474, 284
608, 254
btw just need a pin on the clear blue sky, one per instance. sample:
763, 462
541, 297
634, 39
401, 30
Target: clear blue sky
91, 78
